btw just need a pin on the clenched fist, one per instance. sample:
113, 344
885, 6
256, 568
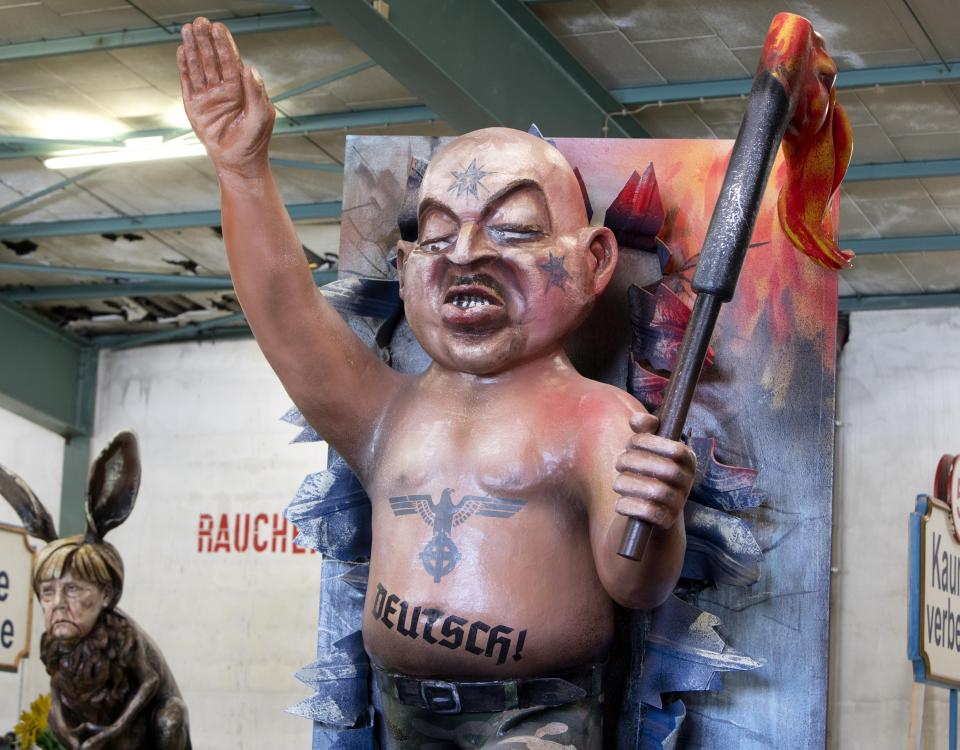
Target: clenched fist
225, 101
655, 475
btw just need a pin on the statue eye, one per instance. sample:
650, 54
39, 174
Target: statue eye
72, 589
436, 244
511, 233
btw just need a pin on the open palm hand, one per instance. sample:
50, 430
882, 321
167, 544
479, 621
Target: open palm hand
225, 101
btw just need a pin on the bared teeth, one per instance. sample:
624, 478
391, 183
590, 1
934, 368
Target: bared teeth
466, 301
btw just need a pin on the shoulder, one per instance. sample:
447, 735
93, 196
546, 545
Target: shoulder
603, 431
599, 402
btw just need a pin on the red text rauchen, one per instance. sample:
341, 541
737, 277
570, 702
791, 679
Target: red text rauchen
245, 532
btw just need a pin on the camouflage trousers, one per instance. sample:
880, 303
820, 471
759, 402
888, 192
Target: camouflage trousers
572, 726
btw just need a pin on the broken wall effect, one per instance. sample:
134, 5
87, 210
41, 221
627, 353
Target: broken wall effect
756, 592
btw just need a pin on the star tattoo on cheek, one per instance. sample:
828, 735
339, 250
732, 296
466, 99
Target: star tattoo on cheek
468, 180
554, 270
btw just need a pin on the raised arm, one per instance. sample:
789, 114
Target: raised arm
341, 387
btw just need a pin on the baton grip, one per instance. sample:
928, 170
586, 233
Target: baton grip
677, 399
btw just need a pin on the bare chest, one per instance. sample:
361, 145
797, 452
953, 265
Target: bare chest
477, 521
515, 453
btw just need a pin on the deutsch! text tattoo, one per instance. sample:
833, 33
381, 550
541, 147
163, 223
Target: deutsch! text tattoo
439, 628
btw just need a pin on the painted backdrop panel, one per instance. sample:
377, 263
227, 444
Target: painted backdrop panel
768, 400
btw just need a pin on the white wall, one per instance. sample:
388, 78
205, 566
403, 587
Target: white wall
234, 626
36, 454
899, 409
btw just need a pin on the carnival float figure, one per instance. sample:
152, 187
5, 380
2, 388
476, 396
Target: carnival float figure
497, 511
111, 687
501, 482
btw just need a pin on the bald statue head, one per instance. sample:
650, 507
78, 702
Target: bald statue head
506, 263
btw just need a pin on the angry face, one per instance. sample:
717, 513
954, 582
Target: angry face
505, 264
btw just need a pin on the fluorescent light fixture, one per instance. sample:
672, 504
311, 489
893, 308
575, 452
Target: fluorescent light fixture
135, 149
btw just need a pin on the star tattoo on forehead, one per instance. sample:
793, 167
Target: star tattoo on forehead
554, 269
468, 180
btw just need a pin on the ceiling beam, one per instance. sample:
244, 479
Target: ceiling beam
899, 301
101, 273
171, 286
58, 292
935, 243
899, 170
320, 82
150, 222
159, 34
188, 331
478, 64
361, 118
50, 189
304, 164
183, 335
12, 147
846, 79
44, 373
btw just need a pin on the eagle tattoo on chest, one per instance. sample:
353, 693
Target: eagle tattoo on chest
440, 555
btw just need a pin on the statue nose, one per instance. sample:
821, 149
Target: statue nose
472, 245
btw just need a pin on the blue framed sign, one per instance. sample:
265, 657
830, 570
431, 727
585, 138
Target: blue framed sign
933, 630
934, 615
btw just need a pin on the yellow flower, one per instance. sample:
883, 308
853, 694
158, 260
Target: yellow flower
33, 722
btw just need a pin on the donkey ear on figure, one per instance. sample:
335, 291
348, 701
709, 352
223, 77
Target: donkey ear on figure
113, 485
111, 492
36, 520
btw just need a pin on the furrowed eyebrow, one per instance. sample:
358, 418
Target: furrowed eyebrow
439, 205
501, 195
491, 204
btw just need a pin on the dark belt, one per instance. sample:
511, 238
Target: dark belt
443, 697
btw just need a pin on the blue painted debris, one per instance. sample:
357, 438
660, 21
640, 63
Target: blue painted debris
307, 434
720, 547
534, 130
332, 513
341, 681
722, 486
344, 739
661, 726
683, 652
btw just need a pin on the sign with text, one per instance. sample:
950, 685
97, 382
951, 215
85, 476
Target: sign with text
934, 620
16, 596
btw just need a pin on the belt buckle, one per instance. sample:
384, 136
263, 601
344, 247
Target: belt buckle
440, 697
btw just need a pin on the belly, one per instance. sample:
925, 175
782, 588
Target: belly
499, 594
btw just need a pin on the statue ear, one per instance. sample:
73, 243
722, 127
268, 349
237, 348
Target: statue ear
113, 485
404, 249
108, 594
602, 247
36, 519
